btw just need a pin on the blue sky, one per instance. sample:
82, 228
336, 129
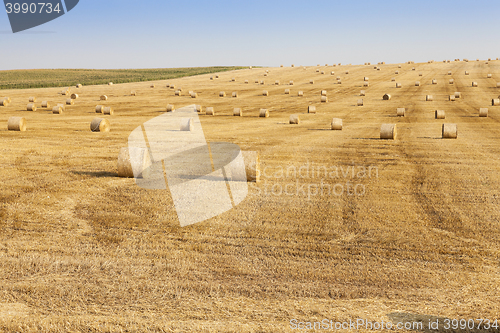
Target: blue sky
153, 34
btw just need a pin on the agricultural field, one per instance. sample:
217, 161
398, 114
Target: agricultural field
342, 224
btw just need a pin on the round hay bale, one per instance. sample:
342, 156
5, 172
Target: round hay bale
152, 86
108, 111
264, 113
498, 84
32, 99
449, 131
63, 106
16, 124
199, 108
170, 107
398, 85
339, 82
434, 81
393, 79
45, 104
216, 76
311, 109
194, 95
474, 84
57, 110
458, 94
74, 96
347, 72
386, 97
323, 93
179, 93
281, 65
417, 84
99, 108
452, 98
287, 91
300, 93
246, 81
222, 94
70, 101
483, 112
449, 73
338, 78
79, 85
4, 102
362, 93
132, 93
337, 124
234, 94
262, 82
413, 68
291, 83
439, 114
360, 102
489, 76
396, 72
99, 125
104, 98
317, 70
322, 72
31, 107
311, 81
265, 93
428, 98
400, 112
133, 162
233, 79
324, 99
495, 102
211, 78
366, 79
187, 124
420, 74
332, 73
172, 86
209, 111
237, 112
293, 65
277, 82
388, 131
466, 72
451, 81
294, 119
265, 74
110, 83
366, 84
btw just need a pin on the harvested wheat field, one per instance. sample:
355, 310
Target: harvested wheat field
342, 225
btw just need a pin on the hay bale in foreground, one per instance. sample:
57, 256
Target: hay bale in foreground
74, 96
237, 112
449, 131
400, 112
311, 109
388, 131
294, 119
70, 101
99, 125
264, 113
170, 107
132, 162
209, 111
428, 98
439, 114
16, 124
104, 98
108, 111
337, 124
360, 102
31, 107
45, 104
186, 124
495, 102
483, 112
386, 97
4, 102
57, 110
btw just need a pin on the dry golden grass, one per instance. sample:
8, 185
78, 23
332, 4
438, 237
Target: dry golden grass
82, 250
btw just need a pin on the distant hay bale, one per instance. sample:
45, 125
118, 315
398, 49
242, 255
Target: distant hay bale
104, 98
133, 93
237, 112
234, 94
413, 68
400, 112
458, 94
99, 125
293, 65
70, 101
74, 96
179, 93
265, 93
439, 114
324, 99
449, 131
170, 107
386, 97
474, 84
45, 104
132, 162
108, 111
338, 78
57, 110
428, 98
209, 111
233, 79
362, 93
294, 119
498, 84
398, 85
449, 73
311, 81
347, 72
216, 76
172, 86
332, 73
466, 73
222, 94
452, 98
16, 124
291, 83
186, 125
311, 109
366, 78
366, 84
323, 93
317, 70
110, 83
281, 65
199, 108
337, 124
339, 82
168, 85
79, 85
495, 102
265, 74
194, 95
211, 78
396, 72
451, 81
246, 81
262, 82
277, 82
300, 93
489, 76
322, 72
4, 102
434, 81
63, 106
287, 91
417, 84
388, 131
256, 81
152, 86
99, 108
420, 74
31, 107
483, 112
393, 79
264, 113
32, 100
360, 102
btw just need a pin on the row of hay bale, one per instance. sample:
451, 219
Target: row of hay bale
388, 131
19, 124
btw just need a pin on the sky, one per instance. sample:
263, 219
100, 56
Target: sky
165, 34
